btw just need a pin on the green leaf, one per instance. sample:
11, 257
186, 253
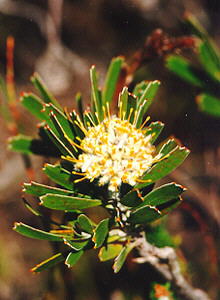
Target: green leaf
116, 235
165, 208
109, 251
132, 199
159, 236
43, 145
89, 119
61, 119
20, 143
163, 194
149, 93
131, 107
64, 136
100, 233
120, 259
145, 214
79, 105
37, 189
154, 129
72, 258
164, 167
208, 51
85, 223
145, 100
77, 245
183, 69
96, 96
77, 125
123, 101
167, 146
140, 114
58, 142
209, 104
68, 203
31, 209
50, 262
42, 111
195, 25
34, 104
59, 175
112, 79
140, 88
46, 95
209, 59
34, 233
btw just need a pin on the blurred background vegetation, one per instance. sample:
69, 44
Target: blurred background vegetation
61, 40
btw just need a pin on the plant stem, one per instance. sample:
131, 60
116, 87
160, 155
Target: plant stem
165, 261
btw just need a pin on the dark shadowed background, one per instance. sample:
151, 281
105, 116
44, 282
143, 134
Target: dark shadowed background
61, 40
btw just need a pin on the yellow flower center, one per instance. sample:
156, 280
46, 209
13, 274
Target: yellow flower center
115, 151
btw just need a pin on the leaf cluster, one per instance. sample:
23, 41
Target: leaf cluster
206, 76
134, 208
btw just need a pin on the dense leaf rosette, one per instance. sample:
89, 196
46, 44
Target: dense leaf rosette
108, 160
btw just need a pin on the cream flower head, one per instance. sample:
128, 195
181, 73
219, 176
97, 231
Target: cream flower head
115, 151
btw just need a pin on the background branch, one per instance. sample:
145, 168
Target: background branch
165, 261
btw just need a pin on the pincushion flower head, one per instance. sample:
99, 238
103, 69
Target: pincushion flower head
105, 156
115, 151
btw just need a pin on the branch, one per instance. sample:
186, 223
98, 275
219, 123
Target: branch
165, 261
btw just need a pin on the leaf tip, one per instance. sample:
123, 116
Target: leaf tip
199, 99
33, 270
132, 95
34, 75
47, 127
52, 114
94, 241
158, 82
41, 198
16, 224
93, 68
183, 148
45, 165
180, 186
187, 15
67, 264
160, 123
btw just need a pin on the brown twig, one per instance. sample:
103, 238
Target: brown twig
165, 261
157, 45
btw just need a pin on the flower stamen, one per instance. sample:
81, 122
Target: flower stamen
78, 173
144, 123
81, 179
81, 126
130, 113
